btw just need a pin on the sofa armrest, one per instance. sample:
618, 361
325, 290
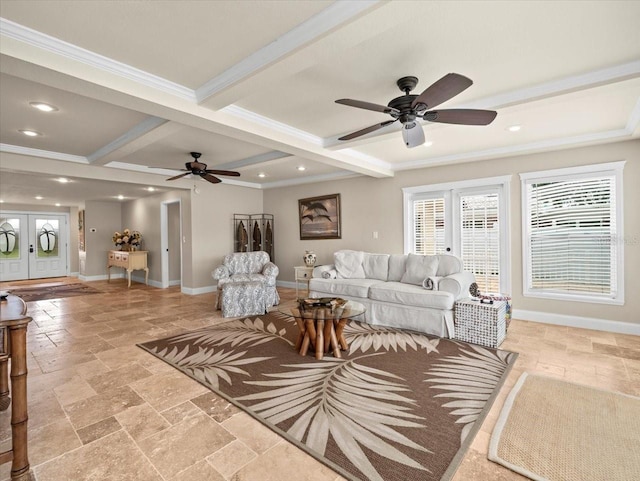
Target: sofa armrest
324, 271
220, 272
457, 284
270, 270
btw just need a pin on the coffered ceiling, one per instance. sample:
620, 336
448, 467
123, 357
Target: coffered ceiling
252, 86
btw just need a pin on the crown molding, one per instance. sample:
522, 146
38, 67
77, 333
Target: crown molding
134, 133
286, 129
310, 180
45, 154
309, 30
530, 148
565, 85
60, 47
634, 118
254, 160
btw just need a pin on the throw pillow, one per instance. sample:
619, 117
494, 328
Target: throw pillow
418, 268
431, 283
349, 264
376, 266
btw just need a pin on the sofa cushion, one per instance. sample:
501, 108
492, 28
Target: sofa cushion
236, 278
343, 287
397, 266
376, 266
448, 264
349, 264
410, 295
418, 268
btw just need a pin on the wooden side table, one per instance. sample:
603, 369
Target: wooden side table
13, 323
130, 261
302, 274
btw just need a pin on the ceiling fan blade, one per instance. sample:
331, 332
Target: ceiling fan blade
211, 178
412, 134
223, 172
368, 106
373, 128
178, 176
442, 90
461, 116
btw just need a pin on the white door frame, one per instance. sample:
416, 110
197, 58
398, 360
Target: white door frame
164, 241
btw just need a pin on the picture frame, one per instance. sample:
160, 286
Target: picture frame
319, 217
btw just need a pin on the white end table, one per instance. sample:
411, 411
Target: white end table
302, 274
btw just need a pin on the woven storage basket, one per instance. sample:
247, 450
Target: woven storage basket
483, 324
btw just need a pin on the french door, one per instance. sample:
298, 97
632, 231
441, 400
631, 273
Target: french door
33, 246
469, 222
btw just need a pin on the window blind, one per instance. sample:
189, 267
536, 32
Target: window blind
480, 239
429, 230
572, 233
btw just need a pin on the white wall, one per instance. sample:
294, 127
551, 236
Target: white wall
370, 204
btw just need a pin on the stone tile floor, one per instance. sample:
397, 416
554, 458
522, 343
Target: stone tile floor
101, 408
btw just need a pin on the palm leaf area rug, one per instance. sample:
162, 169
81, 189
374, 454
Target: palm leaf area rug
398, 406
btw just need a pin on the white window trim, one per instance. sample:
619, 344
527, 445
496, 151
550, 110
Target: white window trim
409, 194
608, 168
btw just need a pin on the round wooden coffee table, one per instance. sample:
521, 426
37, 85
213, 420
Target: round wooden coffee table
322, 327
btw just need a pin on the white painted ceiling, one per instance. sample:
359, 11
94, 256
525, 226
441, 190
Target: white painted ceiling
252, 86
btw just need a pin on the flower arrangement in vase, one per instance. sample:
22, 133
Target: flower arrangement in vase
127, 240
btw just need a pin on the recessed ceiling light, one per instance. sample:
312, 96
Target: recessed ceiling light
43, 107
30, 133
120, 197
151, 189
1, 201
514, 128
301, 168
427, 143
39, 197
57, 204
262, 175
62, 180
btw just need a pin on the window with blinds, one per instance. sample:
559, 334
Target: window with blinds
480, 239
571, 229
428, 222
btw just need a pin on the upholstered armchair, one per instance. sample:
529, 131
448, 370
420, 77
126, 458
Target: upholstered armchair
248, 267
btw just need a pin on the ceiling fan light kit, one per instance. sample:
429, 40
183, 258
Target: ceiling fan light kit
409, 108
195, 167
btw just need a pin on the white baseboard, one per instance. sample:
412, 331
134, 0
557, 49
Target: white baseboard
290, 284
175, 283
198, 290
576, 321
74, 274
140, 279
103, 277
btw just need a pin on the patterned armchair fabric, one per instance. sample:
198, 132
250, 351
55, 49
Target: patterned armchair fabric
248, 267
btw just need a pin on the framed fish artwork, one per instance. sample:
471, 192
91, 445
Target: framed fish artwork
320, 217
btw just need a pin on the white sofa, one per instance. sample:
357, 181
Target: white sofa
391, 288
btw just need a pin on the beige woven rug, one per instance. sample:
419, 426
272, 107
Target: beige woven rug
554, 430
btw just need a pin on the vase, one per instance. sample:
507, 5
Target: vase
309, 258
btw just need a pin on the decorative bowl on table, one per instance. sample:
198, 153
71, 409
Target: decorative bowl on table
329, 302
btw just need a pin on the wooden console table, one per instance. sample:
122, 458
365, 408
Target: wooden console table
13, 327
130, 261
